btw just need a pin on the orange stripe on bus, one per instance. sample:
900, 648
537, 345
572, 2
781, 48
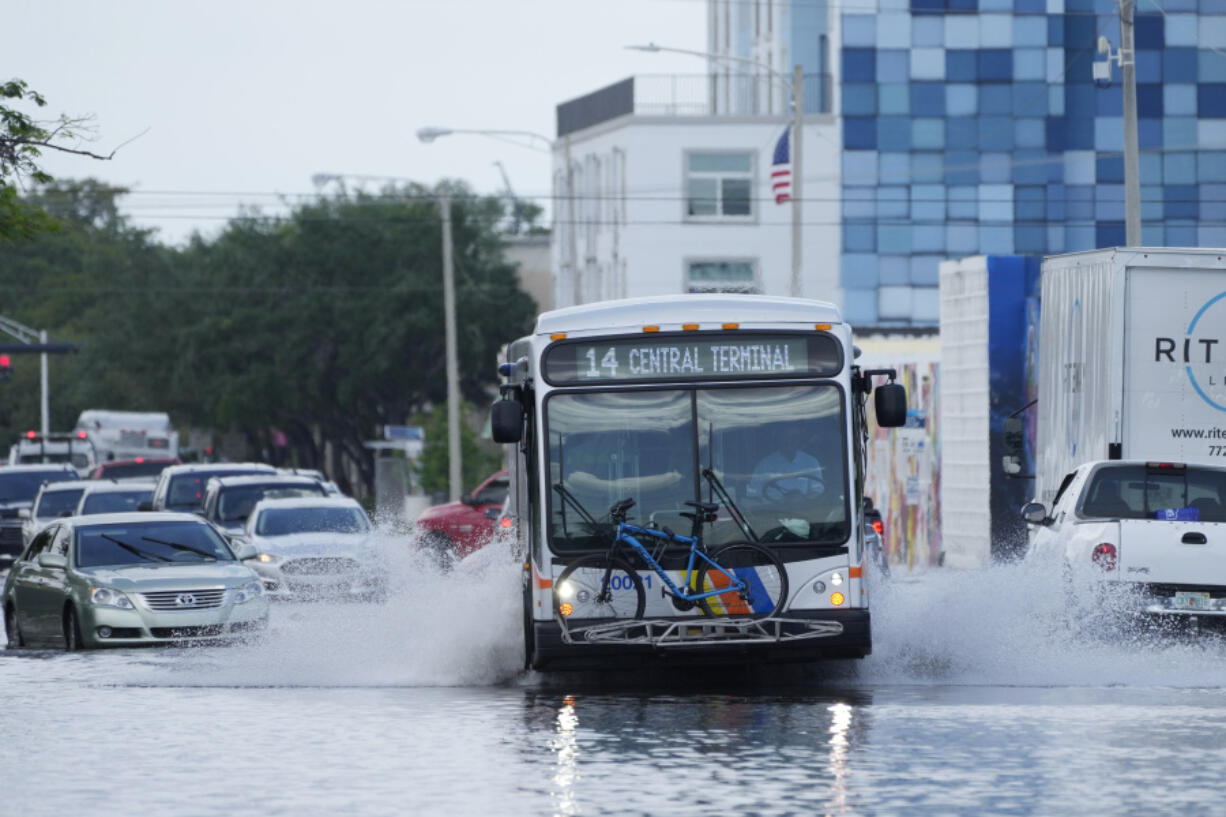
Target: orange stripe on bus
541, 581
855, 572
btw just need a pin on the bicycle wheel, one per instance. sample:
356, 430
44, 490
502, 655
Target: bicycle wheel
580, 586
764, 576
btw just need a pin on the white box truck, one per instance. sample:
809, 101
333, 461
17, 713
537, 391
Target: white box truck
1132, 360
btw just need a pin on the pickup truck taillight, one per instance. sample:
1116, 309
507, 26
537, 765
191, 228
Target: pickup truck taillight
878, 526
1104, 556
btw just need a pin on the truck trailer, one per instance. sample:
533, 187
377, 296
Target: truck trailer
1132, 360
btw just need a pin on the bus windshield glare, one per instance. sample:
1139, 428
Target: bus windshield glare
777, 451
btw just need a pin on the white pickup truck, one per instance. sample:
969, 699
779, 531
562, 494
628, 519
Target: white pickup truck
1143, 538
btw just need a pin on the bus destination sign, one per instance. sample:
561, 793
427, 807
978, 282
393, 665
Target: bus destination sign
674, 357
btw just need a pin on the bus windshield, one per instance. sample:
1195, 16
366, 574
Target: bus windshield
778, 452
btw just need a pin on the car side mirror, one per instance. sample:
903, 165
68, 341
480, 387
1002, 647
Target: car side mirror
468, 499
1035, 513
890, 403
507, 421
65, 514
52, 560
145, 505
23, 513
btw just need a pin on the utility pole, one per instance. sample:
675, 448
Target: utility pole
798, 119
455, 473
1132, 175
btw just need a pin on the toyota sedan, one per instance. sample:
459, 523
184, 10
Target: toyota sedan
129, 579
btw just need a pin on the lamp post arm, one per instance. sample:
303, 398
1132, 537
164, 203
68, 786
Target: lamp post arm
711, 55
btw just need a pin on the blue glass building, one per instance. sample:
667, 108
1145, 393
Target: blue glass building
973, 126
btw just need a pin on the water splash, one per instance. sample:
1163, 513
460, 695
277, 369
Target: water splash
1008, 625
458, 627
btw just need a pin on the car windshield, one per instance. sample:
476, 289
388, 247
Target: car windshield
775, 452
53, 504
185, 542
115, 501
286, 521
186, 491
129, 470
236, 502
22, 486
1148, 492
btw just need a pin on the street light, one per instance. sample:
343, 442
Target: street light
795, 89
429, 134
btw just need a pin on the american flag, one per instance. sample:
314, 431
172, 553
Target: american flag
781, 170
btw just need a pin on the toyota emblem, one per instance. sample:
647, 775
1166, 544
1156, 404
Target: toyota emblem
185, 600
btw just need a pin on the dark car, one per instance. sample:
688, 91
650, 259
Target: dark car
228, 501
19, 485
181, 487
143, 468
456, 529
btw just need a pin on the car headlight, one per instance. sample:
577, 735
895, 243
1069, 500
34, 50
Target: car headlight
265, 558
108, 597
248, 592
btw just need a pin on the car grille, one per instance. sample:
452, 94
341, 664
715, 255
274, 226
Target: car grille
185, 599
10, 539
319, 566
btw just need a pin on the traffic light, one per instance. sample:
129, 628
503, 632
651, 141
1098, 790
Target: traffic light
6, 368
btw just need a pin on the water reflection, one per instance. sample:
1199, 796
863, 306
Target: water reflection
752, 754
840, 743
565, 746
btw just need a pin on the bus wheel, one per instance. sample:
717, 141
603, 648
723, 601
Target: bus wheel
580, 589
529, 632
765, 578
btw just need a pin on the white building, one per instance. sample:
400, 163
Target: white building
672, 195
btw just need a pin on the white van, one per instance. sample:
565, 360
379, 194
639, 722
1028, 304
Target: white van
126, 435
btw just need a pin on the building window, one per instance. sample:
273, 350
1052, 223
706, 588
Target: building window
721, 276
719, 186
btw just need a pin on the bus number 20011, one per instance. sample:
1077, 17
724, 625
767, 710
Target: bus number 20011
621, 582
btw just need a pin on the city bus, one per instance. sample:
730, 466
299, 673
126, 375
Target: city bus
747, 410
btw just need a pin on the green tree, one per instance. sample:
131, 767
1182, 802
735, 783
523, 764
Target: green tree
22, 142
478, 459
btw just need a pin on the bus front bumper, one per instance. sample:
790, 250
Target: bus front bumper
797, 637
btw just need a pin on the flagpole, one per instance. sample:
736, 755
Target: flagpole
798, 118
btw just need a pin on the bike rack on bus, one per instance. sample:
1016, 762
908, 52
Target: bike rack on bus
692, 632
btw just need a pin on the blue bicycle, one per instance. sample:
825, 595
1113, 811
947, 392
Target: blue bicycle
742, 579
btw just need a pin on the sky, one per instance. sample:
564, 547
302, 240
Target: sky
241, 102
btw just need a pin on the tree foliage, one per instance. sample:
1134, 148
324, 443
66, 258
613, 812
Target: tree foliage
321, 325
22, 142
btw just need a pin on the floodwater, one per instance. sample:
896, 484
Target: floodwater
976, 701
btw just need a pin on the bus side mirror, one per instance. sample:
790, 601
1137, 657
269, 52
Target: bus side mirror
890, 402
507, 421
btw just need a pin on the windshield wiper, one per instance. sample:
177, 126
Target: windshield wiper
733, 510
203, 553
567, 496
148, 555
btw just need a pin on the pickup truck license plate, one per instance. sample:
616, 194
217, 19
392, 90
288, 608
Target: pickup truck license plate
1191, 601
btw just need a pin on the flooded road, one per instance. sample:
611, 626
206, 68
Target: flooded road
974, 702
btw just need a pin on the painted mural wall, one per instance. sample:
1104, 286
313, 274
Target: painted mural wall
903, 471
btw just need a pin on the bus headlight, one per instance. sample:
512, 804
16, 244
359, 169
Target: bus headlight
836, 579
566, 590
